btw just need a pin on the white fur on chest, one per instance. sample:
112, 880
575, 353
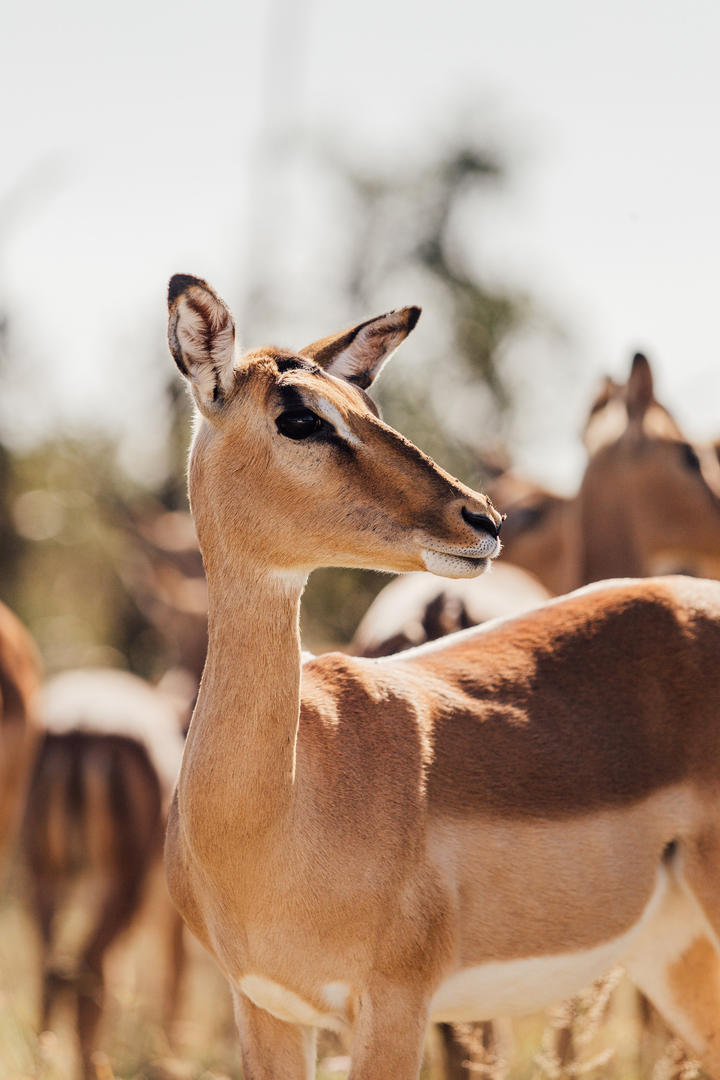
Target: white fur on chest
287, 1005
517, 987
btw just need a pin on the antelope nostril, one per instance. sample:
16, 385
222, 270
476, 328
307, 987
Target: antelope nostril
481, 522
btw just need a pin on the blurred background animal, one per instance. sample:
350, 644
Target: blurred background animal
93, 832
648, 502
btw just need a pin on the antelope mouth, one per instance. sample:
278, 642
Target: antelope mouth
452, 565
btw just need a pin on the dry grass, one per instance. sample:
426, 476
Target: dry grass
597, 1035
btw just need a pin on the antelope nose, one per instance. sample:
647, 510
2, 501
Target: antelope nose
481, 522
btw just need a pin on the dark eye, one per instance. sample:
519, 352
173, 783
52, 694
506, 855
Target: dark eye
690, 458
298, 423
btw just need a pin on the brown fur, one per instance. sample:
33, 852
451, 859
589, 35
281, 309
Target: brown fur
514, 794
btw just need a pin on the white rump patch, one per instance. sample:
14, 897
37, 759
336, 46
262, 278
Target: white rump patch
680, 922
103, 701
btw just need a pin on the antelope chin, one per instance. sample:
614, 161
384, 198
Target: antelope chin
453, 566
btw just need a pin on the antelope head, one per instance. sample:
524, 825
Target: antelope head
657, 492
292, 467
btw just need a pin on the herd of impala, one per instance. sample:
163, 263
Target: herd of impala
429, 828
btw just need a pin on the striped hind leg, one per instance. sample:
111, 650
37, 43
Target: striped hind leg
676, 964
116, 911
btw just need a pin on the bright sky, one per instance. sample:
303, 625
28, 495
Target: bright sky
129, 130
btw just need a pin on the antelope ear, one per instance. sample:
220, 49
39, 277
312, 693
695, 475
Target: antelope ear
639, 389
201, 336
358, 354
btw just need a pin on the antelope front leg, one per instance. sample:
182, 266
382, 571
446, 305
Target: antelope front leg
389, 1035
272, 1049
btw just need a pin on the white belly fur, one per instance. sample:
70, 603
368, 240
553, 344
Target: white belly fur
517, 987
505, 988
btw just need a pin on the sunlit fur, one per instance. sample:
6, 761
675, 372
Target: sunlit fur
511, 797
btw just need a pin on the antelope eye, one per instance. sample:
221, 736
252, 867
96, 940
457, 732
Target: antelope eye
298, 423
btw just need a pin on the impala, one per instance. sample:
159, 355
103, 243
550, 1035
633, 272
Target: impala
92, 835
639, 464
473, 828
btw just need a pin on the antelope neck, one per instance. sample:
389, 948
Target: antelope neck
240, 752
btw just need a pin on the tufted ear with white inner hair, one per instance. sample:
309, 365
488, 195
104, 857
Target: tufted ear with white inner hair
201, 335
358, 354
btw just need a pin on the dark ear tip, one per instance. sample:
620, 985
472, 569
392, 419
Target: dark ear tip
179, 283
639, 360
414, 314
